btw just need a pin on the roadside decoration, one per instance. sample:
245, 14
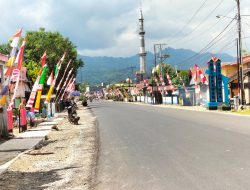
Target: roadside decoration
58, 67
36, 85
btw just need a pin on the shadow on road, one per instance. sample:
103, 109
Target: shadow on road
12, 180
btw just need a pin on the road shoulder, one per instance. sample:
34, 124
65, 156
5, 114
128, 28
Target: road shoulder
67, 159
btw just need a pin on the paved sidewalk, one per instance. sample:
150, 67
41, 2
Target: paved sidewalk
191, 108
13, 148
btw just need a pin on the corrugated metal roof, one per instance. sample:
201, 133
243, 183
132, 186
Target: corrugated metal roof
245, 60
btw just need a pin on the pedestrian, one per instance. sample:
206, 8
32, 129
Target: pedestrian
44, 111
22, 116
31, 116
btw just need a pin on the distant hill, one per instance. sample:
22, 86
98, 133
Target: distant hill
114, 69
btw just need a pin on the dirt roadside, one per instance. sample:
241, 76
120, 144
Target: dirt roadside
67, 159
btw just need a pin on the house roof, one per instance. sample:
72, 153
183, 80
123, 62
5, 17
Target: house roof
245, 60
3, 58
235, 76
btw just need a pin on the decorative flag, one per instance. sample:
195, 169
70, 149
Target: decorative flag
66, 85
19, 57
10, 119
43, 58
162, 80
43, 75
3, 100
11, 60
50, 79
170, 82
15, 74
4, 90
34, 90
58, 87
38, 98
37, 82
200, 73
71, 86
9, 65
58, 67
49, 94
40, 88
14, 44
15, 38
19, 66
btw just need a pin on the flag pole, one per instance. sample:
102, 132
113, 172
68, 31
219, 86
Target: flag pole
67, 83
64, 83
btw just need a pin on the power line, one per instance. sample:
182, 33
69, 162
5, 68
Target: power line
223, 48
210, 28
210, 44
190, 20
225, 38
245, 40
201, 23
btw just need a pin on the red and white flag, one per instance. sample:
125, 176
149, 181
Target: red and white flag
201, 75
43, 58
15, 38
15, 74
170, 82
19, 57
50, 79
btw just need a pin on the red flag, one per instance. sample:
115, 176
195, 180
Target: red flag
15, 38
43, 58
19, 58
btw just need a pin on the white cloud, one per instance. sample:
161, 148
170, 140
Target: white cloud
110, 27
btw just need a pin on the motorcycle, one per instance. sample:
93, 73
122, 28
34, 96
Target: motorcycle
84, 103
72, 114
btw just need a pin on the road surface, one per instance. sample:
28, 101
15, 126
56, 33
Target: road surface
152, 148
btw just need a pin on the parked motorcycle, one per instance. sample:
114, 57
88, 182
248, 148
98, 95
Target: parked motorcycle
84, 103
72, 114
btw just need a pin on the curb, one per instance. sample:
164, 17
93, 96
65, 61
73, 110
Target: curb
182, 108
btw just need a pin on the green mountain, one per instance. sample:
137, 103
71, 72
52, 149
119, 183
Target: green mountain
114, 69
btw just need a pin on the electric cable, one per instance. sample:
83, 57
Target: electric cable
208, 45
200, 23
191, 19
210, 28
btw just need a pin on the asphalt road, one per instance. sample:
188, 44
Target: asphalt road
151, 148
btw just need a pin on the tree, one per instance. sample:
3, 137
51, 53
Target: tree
184, 75
5, 49
177, 80
37, 42
82, 86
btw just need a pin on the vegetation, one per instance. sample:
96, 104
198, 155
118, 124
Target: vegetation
82, 86
177, 78
244, 112
37, 42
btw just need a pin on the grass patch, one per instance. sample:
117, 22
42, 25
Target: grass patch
243, 112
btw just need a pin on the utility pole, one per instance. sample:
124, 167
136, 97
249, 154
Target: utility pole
240, 54
161, 57
238, 65
155, 54
162, 90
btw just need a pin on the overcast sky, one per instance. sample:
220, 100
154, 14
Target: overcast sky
110, 27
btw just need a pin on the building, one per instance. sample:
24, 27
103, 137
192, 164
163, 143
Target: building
142, 53
3, 121
230, 69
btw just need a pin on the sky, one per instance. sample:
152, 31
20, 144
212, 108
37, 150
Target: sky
110, 27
